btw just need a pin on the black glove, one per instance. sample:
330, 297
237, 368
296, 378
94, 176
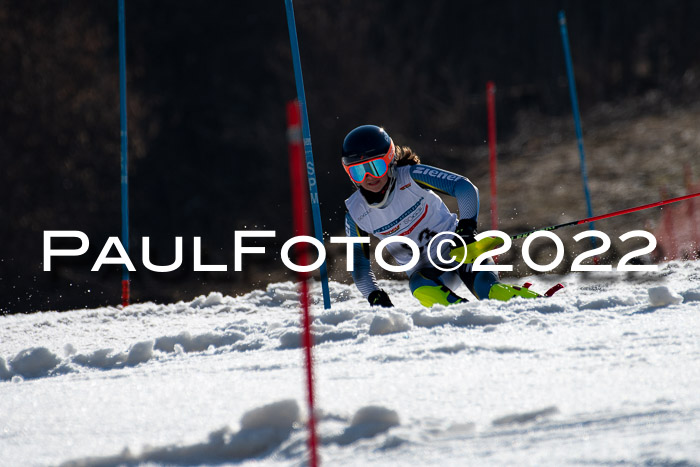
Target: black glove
466, 228
379, 298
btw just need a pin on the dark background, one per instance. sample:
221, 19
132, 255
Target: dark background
207, 88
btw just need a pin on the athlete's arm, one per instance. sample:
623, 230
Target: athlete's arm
362, 273
451, 184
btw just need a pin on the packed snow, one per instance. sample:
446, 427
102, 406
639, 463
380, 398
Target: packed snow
605, 372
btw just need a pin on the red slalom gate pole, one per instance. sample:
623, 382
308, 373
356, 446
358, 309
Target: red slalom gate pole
491, 111
297, 171
301, 227
125, 292
692, 209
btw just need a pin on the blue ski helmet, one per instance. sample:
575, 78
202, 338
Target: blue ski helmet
364, 143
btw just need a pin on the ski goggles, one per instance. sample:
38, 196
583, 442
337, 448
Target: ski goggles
376, 168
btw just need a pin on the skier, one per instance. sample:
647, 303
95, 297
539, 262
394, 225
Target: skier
396, 196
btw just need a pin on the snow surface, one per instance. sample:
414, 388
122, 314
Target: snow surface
607, 372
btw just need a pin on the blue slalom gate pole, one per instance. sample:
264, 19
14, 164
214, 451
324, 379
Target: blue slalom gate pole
577, 117
124, 152
310, 171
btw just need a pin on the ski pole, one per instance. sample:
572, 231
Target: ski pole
605, 216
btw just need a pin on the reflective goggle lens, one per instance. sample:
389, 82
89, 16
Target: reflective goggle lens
376, 168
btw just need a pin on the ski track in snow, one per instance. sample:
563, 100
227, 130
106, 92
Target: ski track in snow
605, 372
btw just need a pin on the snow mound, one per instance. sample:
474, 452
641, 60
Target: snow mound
262, 430
141, 352
281, 294
467, 318
375, 415
691, 295
548, 308
525, 417
607, 302
34, 362
292, 339
336, 316
663, 296
198, 343
367, 422
283, 414
213, 299
105, 359
461, 347
389, 323
40, 362
450, 349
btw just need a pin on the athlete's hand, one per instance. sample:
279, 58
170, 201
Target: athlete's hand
466, 228
379, 298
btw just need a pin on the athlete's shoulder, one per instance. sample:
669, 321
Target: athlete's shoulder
431, 171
